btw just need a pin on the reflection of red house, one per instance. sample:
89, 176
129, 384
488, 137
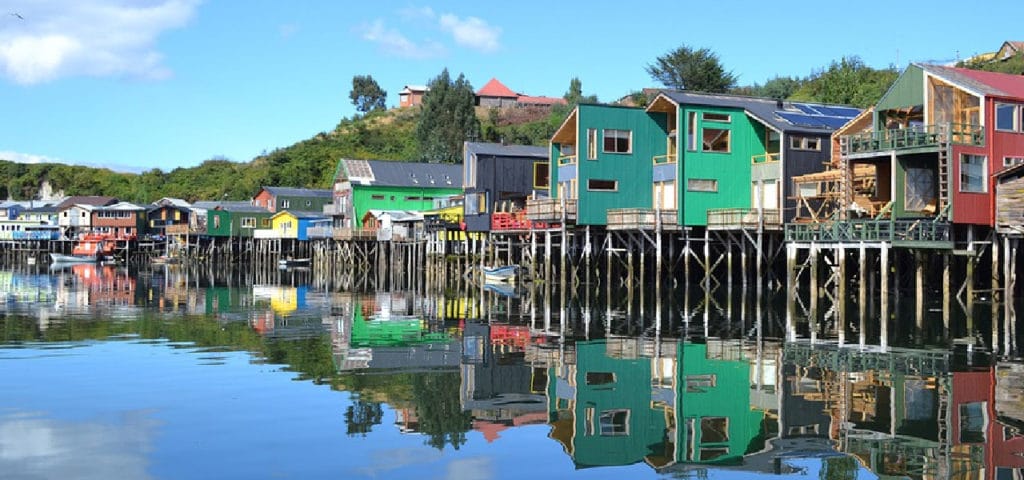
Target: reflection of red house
263, 322
106, 285
513, 336
974, 424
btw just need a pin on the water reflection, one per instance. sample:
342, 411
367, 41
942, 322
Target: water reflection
694, 386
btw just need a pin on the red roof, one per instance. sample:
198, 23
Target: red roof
1013, 85
528, 100
494, 88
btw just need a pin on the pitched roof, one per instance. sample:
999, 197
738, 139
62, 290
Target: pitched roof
494, 88
122, 206
781, 115
987, 83
86, 200
298, 192
500, 150
230, 206
401, 174
414, 88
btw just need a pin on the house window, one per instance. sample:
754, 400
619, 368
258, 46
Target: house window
600, 378
597, 185
973, 422
248, 222
377, 197
591, 144
715, 140
413, 199
691, 131
1011, 161
920, 189
542, 175
265, 223
285, 204
1008, 117
716, 117
700, 383
614, 422
588, 421
714, 430
476, 203
804, 143
617, 141
216, 221
702, 185
973, 173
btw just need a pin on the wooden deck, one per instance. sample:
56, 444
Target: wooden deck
551, 210
744, 219
642, 219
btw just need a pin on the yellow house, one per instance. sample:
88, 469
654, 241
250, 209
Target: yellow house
286, 224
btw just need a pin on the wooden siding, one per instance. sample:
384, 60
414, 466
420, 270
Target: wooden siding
396, 198
731, 171
507, 180
801, 162
632, 171
907, 91
1010, 204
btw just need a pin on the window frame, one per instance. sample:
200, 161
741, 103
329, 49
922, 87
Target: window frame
800, 142
591, 144
1010, 161
591, 188
1015, 117
704, 147
247, 222
984, 172
691, 131
614, 135
716, 117
690, 185
547, 176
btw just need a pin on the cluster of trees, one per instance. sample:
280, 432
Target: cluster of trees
847, 81
1013, 65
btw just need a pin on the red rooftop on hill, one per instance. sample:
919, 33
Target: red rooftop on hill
496, 94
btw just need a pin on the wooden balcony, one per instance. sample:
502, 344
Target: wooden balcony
765, 158
744, 219
355, 234
566, 160
510, 221
642, 219
666, 159
551, 210
916, 139
922, 232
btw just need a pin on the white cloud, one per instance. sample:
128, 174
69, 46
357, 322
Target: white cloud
60, 38
471, 32
392, 42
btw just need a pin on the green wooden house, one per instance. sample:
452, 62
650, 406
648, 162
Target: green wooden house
727, 159
601, 159
601, 409
276, 199
364, 185
236, 219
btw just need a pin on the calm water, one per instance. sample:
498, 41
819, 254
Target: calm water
175, 374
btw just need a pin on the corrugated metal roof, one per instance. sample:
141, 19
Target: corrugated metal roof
298, 192
766, 110
501, 150
86, 200
405, 174
985, 83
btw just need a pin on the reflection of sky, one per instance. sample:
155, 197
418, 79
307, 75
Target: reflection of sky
36, 447
138, 409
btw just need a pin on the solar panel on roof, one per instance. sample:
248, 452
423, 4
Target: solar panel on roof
801, 119
835, 122
806, 109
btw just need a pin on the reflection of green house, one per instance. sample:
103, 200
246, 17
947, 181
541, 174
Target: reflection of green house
391, 332
715, 423
600, 409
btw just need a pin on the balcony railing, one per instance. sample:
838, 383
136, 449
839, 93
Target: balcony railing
566, 160
925, 136
744, 218
320, 232
765, 158
908, 231
551, 209
510, 221
664, 159
348, 233
642, 219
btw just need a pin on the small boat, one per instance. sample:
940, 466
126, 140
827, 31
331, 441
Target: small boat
90, 248
61, 258
506, 273
293, 262
503, 289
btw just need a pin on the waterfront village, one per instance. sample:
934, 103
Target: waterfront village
825, 202
930, 177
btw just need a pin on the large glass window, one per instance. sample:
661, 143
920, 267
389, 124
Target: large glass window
617, 141
1008, 117
614, 422
691, 131
973, 173
592, 144
715, 140
920, 191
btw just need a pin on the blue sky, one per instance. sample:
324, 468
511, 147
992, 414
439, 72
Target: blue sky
135, 85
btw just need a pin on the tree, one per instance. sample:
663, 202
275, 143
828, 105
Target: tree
687, 69
366, 94
778, 87
447, 120
847, 81
575, 94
